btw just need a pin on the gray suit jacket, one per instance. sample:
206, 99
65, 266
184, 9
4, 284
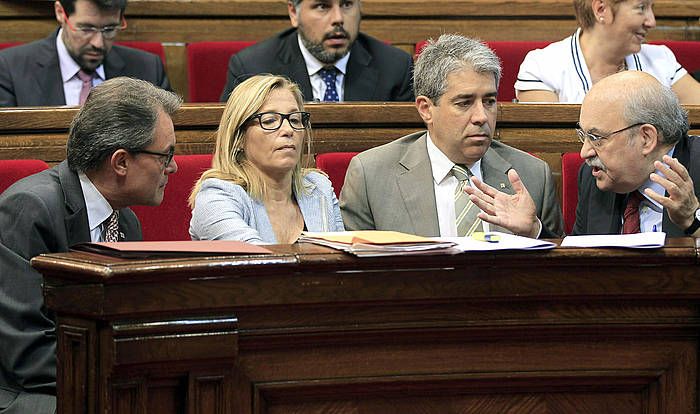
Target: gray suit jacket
42, 213
375, 71
30, 74
390, 187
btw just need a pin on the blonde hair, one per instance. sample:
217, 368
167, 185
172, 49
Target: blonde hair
584, 11
229, 161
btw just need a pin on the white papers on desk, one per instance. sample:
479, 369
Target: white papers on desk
649, 240
505, 242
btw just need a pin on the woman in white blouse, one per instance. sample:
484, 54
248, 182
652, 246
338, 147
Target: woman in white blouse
257, 190
611, 38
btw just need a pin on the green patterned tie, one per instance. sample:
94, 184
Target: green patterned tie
465, 210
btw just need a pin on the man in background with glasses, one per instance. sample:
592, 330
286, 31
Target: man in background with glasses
120, 153
62, 68
642, 170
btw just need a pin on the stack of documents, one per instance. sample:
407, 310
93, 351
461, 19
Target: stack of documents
649, 240
373, 243
142, 249
495, 240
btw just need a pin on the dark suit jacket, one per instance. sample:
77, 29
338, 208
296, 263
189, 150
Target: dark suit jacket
696, 75
600, 212
375, 71
43, 213
30, 74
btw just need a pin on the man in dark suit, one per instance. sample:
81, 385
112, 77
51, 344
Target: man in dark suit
639, 159
327, 56
120, 150
60, 69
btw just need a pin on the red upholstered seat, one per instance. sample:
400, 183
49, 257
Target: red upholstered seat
152, 47
207, 64
687, 52
511, 54
335, 164
9, 44
570, 164
13, 170
171, 220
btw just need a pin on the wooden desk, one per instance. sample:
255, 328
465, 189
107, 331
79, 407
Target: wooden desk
311, 330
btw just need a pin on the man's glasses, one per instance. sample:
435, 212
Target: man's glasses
108, 32
597, 140
272, 121
167, 156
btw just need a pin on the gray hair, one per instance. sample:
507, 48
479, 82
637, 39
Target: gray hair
451, 52
657, 105
120, 113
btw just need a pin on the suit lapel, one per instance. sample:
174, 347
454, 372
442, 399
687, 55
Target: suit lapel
360, 78
417, 190
494, 170
76, 213
48, 73
114, 64
291, 61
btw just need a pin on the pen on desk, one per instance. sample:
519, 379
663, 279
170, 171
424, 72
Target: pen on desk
486, 237
654, 229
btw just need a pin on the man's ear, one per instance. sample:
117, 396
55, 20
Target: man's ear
425, 108
650, 138
119, 162
57, 9
293, 18
599, 7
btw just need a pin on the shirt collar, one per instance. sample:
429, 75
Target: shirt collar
655, 187
69, 67
98, 209
442, 166
313, 65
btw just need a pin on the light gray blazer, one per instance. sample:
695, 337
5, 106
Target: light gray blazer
390, 187
225, 211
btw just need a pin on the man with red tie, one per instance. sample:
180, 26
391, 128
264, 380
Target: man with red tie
642, 170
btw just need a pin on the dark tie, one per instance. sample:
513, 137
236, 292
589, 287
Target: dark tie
111, 227
86, 78
630, 218
465, 209
328, 75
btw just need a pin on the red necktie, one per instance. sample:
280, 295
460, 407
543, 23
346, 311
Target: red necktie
86, 78
630, 219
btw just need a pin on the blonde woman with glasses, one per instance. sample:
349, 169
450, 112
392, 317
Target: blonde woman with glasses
257, 190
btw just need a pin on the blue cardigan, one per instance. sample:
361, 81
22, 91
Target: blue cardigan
225, 211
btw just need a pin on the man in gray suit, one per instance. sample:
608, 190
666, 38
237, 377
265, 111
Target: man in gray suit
60, 69
120, 153
411, 185
327, 56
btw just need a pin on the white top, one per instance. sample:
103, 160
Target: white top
313, 65
445, 184
98, 208
69, 73
561, 68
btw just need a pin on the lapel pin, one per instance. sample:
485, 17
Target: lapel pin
503, 185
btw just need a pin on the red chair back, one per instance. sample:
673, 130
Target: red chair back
335, 164
511, 54
687, 52
13, 170
151, 47
570, 165
171, 219
8, 44
207, 65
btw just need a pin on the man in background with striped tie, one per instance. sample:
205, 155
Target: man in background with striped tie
417, 183
120, 153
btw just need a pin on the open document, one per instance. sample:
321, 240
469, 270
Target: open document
495, 240
372, 243
649, 240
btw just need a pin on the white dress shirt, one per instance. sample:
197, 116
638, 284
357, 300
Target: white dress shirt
98, 209
445, 185
313, 66
69, 73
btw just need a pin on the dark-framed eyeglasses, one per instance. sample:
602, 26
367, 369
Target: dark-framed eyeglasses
272, 121
596, 139
166, 157
108, 32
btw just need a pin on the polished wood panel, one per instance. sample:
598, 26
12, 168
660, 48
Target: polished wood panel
403, 23
311, 330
